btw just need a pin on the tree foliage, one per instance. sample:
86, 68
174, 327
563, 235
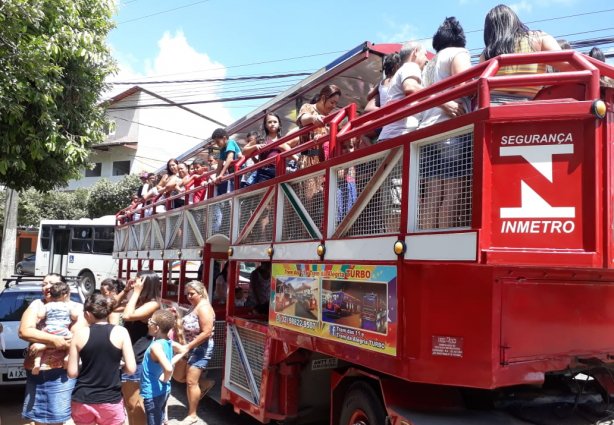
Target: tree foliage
53, 62
104, 198
36, 206
107, 198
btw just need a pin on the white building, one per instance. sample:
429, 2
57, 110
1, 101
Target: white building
145, 131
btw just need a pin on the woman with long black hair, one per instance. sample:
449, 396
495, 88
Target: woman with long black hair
144, 300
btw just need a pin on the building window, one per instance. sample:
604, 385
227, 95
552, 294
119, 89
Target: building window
96, 171
121, 168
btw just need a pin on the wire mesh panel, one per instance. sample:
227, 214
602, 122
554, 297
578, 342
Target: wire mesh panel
191, 240
263, 228
253, 344
445, 171
382, 213
218, 218
200, 217
121, 237
161, 222
219, 346
175, 231
305, 199
247, 208
145, 239
133, 238
252, 360
345, 194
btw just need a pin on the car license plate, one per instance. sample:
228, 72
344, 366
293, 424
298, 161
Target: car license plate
16, 373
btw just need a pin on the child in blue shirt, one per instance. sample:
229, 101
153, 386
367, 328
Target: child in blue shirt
157, 366
229, 152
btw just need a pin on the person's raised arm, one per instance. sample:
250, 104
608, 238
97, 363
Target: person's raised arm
132, 312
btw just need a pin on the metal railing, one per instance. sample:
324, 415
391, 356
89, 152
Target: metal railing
318, 203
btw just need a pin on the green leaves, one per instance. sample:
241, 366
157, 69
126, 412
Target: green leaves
107, 198
104, 198
53, 62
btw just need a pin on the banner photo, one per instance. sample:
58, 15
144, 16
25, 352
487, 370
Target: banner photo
351, 304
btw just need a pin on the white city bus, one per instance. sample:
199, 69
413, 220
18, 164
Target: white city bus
77, 248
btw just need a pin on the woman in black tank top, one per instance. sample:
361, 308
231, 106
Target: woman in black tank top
101, 347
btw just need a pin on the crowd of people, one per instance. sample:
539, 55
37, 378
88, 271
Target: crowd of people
111, 359
405, 73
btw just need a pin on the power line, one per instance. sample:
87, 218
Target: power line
156, 128
210, 80
162, 12
200, 102
343, 51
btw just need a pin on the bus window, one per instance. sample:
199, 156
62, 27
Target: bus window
45, 237
81, 239
103, 240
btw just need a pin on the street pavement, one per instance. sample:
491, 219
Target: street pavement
209, 410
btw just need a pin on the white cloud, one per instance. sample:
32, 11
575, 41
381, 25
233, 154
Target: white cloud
176, 59
527, 7
401, 32
523, 6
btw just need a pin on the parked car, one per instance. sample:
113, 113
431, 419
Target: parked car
14, 300
26, 266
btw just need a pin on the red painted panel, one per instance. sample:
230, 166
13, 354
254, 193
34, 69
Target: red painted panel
539, 168
544, 319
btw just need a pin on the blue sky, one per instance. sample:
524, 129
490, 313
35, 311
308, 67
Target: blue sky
231, 38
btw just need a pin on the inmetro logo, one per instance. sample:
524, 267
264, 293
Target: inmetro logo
532, 205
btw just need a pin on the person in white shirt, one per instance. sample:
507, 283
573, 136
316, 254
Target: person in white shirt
406, 81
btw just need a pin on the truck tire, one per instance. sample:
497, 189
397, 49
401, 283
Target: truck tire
361, 406
87, 283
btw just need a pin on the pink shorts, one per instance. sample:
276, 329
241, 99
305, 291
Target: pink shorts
100, 414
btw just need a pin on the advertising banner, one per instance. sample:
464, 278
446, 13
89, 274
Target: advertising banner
352, 304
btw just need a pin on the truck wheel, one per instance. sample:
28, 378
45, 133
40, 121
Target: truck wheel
87, 283
361, 406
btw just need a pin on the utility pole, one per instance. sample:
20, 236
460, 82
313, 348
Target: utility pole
9, 234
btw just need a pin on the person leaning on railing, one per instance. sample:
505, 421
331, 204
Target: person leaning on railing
505, 33
229, 151
313, 114
167, 183
596, 53
444, 184
406, 81
271, 126
198, 178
